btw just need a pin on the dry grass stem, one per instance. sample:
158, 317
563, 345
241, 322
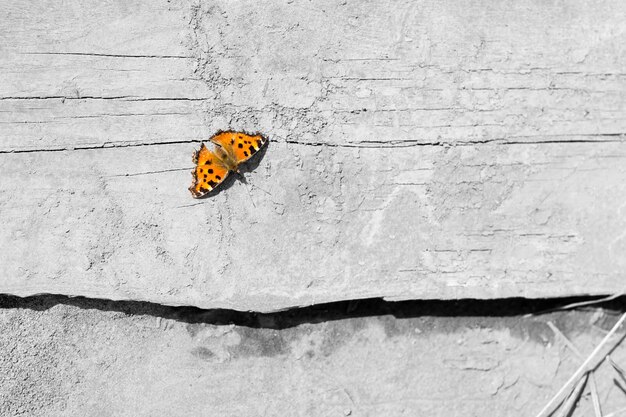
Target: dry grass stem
582, 369
618, 369
588, 303
567, 342
595, 398
574, 396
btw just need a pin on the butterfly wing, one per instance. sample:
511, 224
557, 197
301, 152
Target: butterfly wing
208, 174
240, 146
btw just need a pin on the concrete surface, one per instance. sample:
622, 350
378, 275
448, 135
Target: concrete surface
418, 150
94, 358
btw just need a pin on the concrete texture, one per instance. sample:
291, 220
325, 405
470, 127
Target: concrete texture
418, 150
93, 358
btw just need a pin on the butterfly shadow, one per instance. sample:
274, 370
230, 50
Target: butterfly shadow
247, 167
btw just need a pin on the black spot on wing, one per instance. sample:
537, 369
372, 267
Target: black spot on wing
240, 145
245, 153
252, 150
210, 171
218, 177
212, 184
204, 190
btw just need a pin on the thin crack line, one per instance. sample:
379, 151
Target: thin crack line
498, 141
125, 98
151, 172
110, 55
362, 145
103, 146
65, 98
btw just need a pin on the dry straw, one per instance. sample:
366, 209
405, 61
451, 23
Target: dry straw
582, 371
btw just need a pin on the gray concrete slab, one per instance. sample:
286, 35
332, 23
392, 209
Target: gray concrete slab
418, 150
94, 358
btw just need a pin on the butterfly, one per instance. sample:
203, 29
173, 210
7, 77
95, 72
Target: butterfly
212, 167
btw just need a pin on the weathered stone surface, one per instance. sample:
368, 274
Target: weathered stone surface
418, 150
93, 358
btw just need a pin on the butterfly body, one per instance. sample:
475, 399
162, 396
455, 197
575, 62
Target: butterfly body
212, 167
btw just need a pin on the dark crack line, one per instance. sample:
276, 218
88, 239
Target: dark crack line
103, 146
362, 145
65, 98
319, 313
118, 115
541, 142
372, 144
125, 98
111, 55
170, 99
190, 205
498, 141
152, 172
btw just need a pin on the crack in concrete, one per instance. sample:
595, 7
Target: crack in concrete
160, 171
65, 98
364, 145
111, 55
497, 141
330, 311
101, 146
125, 98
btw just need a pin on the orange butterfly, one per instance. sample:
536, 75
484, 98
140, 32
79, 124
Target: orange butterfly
212, 167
